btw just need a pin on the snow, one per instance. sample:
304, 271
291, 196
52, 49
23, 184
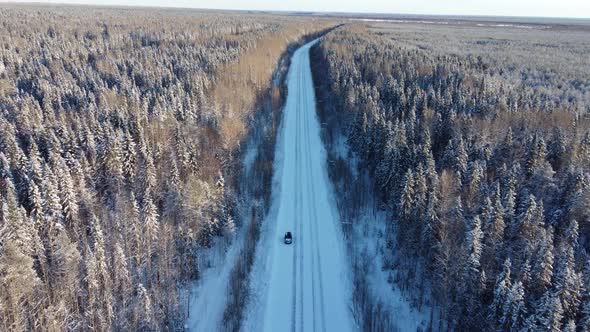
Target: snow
514, 26
306, 285
367, 244
398, 21
369, 231
505, 25
249, 157
208, 296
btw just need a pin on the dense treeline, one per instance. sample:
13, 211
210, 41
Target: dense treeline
119, 156
482, 159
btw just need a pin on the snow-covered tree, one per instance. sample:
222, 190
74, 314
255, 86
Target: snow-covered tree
585, 306
151, 224
144, 310
568, 282
549, 313
19, 284
129, 158
514, 309
501, 290
542, 272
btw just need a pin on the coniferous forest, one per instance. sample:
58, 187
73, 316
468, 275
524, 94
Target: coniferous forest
139, 188
475, 140
121, 132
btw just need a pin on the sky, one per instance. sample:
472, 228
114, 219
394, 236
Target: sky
542, 8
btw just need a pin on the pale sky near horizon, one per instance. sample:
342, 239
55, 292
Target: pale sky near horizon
543, 8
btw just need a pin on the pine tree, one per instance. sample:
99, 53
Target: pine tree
431, 223
65, 269
144, 311
406, 203
472, 274
501, 290
457, 214
456, 157
53, 208
585, 313
537, 155
461, 157
514, 310
475, 181
93, 312
583, 153
550, 313
174, 182
135, 231
173, 191
151, 224
571, 233
5, 172
406, 209
585, 307
383, 172
69, 201
37, 203
18, 285
420, 192
35, 161
570, 326
15, 228
358, 131
122, 283
527, 227
193, 162
147, 176
510, 205
542, 273
102, 274
129, 158
474, 239
568, 282
494, 239
486, 213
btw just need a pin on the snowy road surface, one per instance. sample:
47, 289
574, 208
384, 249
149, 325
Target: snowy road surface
307, 286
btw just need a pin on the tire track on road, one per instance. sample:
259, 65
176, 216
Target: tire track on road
298, 208
315, 220
314, 277
294, 242
306, 153
299, 193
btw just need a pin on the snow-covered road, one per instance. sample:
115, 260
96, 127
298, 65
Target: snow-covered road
307, 286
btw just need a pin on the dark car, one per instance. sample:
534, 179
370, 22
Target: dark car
288, 238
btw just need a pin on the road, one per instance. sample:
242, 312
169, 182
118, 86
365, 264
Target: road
308, 287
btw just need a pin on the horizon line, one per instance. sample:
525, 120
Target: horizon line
302, 11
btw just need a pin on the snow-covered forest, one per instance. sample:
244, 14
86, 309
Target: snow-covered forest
121, 136
139, 188
475, 142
